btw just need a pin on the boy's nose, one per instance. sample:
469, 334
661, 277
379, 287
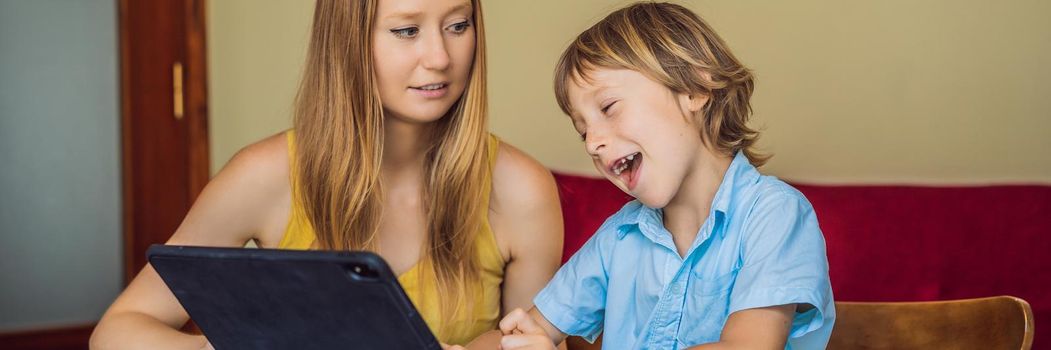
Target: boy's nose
595, 145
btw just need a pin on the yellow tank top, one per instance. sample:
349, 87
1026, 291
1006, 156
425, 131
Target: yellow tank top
419, 282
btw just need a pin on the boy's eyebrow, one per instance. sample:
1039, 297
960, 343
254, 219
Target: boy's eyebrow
591, 89
599, 92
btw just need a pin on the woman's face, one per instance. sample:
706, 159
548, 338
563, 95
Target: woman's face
423, 52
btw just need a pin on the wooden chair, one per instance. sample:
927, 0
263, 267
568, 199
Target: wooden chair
578, 343
1001, 322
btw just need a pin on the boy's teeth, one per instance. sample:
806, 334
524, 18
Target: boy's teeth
623, 163
619, 168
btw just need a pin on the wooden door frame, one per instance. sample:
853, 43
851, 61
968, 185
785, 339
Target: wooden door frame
195, 111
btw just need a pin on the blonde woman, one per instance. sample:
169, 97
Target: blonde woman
390, 152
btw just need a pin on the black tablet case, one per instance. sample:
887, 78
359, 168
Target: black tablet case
282, 299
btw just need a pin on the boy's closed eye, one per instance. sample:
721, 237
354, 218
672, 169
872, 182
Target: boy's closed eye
578, 125
605, 111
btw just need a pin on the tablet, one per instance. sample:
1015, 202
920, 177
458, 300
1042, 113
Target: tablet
281, 299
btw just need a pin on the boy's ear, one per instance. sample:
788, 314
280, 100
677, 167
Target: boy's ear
694, 102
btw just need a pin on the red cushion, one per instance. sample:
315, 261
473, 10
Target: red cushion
898, 243
586, 203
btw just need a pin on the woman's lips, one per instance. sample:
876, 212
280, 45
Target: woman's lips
431, 91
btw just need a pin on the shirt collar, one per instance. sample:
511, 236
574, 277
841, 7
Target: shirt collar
739, 174
636, 214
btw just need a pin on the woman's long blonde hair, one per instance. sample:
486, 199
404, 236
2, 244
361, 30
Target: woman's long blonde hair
339, 150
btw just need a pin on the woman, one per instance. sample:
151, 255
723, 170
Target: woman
390, 153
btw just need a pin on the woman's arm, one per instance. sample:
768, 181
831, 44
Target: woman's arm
526, 216
248, 199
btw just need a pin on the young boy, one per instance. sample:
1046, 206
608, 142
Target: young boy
711, 255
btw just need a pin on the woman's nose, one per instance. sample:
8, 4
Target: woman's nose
435, 54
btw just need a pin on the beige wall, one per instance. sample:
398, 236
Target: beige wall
255, 51
848, 92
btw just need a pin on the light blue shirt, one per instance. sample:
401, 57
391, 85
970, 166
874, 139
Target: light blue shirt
760, 246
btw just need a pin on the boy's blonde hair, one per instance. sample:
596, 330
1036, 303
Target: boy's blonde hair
673, 46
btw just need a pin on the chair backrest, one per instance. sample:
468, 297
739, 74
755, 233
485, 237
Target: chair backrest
578, 343
1001, 322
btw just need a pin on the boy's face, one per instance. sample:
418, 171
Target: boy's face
640, 134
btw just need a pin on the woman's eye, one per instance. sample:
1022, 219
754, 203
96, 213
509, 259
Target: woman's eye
405, 33
460, 28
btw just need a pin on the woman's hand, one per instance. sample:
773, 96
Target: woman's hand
451, 347
521, 331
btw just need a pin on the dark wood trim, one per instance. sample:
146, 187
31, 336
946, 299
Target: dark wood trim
197, 96
128, 200
165, 161
65, 338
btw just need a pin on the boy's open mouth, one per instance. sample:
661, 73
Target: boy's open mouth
626, 167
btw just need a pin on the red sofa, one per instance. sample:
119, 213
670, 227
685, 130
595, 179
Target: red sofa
899, 243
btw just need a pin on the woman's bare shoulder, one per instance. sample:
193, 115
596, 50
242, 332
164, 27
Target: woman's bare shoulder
524, 202
249, 198
267, 157
519, 179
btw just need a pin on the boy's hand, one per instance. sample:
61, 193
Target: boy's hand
521, 331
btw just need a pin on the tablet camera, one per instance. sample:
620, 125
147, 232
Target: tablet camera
362, 272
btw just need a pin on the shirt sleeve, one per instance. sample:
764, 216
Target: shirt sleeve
575, 299
784, 262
